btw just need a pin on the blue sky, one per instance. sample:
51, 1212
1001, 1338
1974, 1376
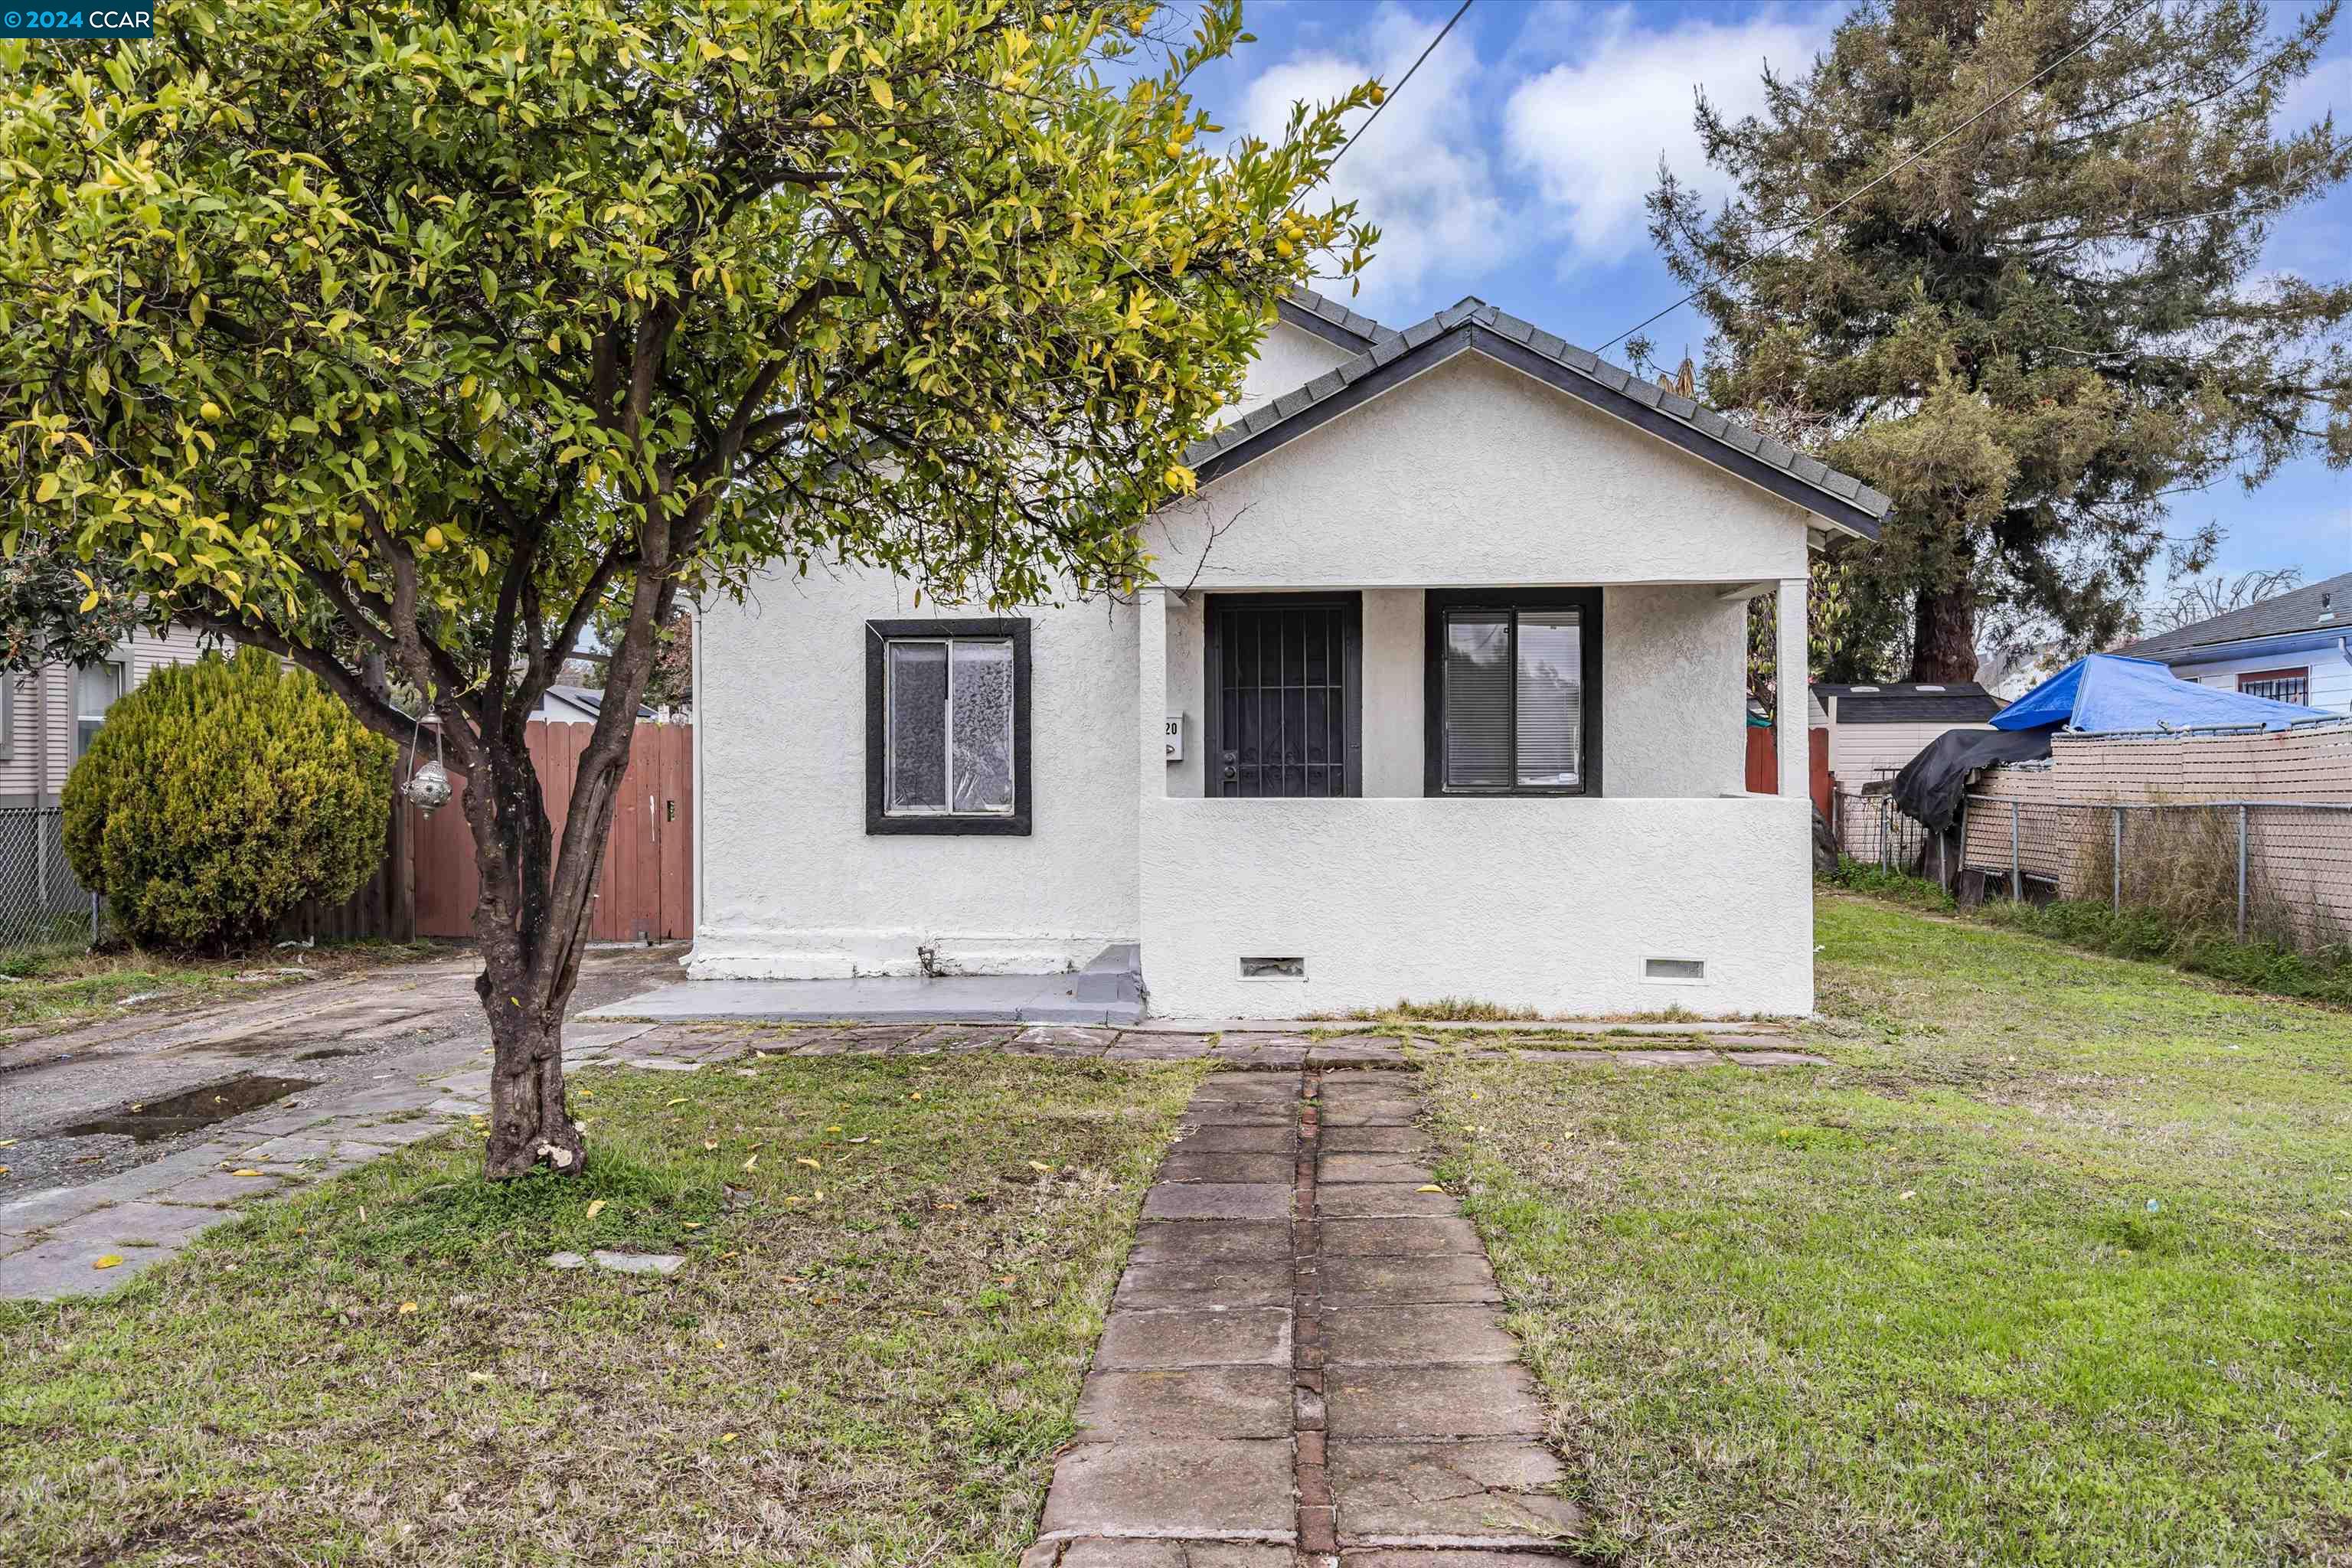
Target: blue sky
1514, 165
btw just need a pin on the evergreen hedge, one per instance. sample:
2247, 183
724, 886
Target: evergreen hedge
220, 795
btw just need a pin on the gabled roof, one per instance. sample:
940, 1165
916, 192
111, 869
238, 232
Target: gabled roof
588, 699
1910, 702
1840, 500
2325, 606
1332, 321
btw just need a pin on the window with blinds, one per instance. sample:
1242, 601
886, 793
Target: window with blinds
1509, 713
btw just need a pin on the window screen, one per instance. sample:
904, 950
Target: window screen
1512, 706
949, 716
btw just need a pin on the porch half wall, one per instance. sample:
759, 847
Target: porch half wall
1528, 902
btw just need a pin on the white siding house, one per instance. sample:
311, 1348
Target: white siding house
48, 717
2293, 648
1441, 693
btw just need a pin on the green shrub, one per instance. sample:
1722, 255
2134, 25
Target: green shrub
1897, 887
220, 795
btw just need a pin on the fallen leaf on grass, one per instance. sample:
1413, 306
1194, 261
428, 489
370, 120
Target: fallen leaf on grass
477, 1377
1429, 1187
595, 1208
754, 1160
111, 1260
811, 1165
407, 1308
709, 1144
833, 1130
861, 1138
694, 1225
8, 1143
1041, 1165
679, 1101
244, 1170
1908, 1195
727, 1436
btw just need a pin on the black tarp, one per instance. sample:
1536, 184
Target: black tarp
1929, 788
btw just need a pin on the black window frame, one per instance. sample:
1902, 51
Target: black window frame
1586, 601
879, 634
1352, 672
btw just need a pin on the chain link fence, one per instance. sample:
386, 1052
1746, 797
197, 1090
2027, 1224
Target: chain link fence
2277, 871
40, 902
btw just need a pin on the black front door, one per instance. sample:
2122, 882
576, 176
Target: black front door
1285, 681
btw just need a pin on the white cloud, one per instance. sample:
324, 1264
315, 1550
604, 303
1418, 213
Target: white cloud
1590, 130
1421, 172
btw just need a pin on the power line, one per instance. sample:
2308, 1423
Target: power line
2132, 7
1392, 92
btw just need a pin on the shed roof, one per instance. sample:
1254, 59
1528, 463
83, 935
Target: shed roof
1910, 702
1473, 325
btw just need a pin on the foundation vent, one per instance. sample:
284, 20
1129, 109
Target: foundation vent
1273, 968
1673, 969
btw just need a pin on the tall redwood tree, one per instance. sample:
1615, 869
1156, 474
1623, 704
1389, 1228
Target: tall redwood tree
2002, 258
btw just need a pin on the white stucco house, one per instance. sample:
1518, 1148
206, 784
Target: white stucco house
1440, 694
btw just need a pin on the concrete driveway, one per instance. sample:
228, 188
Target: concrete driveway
104, 1111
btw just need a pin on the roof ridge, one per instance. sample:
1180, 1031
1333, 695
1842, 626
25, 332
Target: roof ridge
1389, 345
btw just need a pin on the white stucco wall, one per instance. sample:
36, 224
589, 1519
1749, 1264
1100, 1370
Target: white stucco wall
1674, 671
795, 887
1674, 686
1287, 357
1473, 474
1530, 902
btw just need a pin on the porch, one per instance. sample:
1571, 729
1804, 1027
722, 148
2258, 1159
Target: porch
1529, 796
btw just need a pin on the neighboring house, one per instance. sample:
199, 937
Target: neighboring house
1874, 730
578, 705
1441, 695
2290, 648
48, 718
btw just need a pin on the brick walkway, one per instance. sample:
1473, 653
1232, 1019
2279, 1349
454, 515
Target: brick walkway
1306, 1356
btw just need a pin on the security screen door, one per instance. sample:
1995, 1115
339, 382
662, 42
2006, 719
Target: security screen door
1285, 682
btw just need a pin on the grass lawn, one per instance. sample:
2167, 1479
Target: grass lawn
2054, 1268
899, 1269
51, 985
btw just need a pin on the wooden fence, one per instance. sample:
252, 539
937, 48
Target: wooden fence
645, 890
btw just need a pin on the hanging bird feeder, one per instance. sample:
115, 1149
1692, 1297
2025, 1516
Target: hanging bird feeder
427, 789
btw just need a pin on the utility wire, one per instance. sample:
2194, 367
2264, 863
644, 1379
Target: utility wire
2130, 8
1392, 92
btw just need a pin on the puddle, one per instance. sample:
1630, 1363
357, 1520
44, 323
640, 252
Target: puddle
327, 1054
191, 1109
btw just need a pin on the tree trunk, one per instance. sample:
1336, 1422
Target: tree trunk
523, 992
1943, 633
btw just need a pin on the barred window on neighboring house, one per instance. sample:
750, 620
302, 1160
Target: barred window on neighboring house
2278, 685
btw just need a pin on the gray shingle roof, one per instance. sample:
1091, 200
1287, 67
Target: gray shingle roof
2300, 611
1906, 703
1337, 315
1838, 490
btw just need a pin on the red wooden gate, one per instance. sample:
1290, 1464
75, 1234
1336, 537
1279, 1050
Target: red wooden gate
644, 889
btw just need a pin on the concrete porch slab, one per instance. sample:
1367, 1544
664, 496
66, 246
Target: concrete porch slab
1108, 990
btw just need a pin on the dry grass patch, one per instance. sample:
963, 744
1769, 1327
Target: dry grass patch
897, 1270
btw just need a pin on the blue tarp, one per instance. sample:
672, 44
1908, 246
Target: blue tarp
2103, 692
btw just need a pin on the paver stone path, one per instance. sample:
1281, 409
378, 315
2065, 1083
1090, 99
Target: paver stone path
1305, 1357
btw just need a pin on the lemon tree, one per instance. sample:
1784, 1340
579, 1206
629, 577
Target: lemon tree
411, 340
